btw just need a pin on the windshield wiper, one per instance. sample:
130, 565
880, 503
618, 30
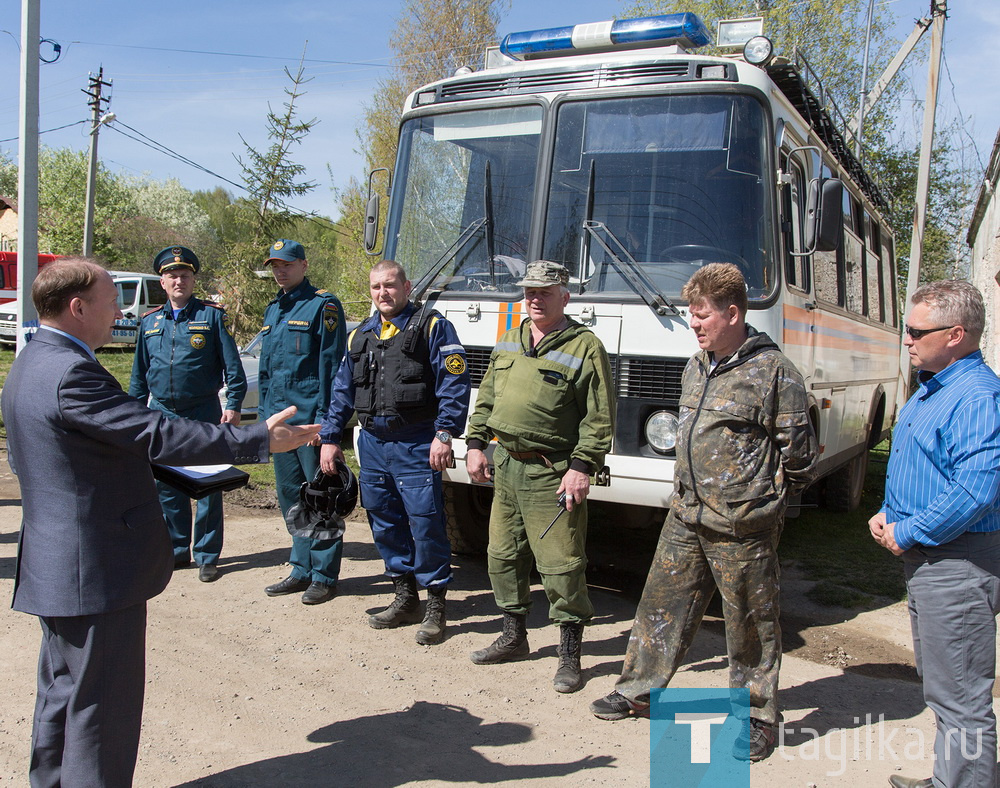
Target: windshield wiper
626, 265
485, 221
425, 281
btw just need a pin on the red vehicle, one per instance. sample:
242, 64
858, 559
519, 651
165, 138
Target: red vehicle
8, 273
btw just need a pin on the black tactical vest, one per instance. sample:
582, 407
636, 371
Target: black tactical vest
393, 378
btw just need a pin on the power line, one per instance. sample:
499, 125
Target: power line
233, 54
57, 128
161, 148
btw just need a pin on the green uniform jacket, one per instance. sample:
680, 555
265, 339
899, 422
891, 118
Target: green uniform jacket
745, 441
558, 401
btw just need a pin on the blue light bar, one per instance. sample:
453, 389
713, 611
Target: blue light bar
684, 30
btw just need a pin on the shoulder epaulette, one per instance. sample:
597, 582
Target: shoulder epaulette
214, 305
154, 309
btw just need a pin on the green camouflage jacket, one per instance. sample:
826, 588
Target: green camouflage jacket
745, 441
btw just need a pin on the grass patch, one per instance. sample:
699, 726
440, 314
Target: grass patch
837, 550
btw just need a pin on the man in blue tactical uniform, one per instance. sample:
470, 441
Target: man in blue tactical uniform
184, 352
301, 351
405, 374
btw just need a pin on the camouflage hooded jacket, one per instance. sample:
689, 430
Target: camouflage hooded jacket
745, 441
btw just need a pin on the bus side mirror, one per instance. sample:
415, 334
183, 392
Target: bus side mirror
372, 211
824, 214
371, 224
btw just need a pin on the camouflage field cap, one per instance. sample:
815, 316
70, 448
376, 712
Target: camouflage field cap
543, 273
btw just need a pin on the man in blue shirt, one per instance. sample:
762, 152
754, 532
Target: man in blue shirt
406, 376
184, 352
941, 514
301, 350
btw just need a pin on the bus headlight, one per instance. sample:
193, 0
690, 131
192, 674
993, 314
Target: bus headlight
661, 431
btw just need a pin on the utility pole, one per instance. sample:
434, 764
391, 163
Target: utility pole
96, 103
27, 175
939, 12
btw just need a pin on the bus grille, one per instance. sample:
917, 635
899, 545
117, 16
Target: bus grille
635, 376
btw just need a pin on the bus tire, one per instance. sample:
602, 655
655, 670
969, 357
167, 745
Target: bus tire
467, 517
843, 488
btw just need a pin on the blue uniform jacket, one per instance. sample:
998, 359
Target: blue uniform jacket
452, 384
183, 362
303, 344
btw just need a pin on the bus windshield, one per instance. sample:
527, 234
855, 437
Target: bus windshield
466, 182
642, 192
669, 182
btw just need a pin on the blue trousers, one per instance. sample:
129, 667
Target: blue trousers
405, 505
953, 595
316, 560
88, 711
207, 527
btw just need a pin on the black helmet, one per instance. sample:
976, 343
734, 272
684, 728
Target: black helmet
332, 495
323, 503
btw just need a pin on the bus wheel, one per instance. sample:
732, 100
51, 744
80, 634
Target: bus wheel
843, 488
467, 517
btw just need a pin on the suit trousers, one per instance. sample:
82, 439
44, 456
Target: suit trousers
953, 597
88, 711
689, 564
316, 560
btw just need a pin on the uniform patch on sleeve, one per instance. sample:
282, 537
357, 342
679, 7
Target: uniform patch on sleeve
331, 316
455, 363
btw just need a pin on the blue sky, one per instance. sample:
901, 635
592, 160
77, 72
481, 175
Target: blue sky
198, 104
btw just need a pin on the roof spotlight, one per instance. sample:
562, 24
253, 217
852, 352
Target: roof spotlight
758, 51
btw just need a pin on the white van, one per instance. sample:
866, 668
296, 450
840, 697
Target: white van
137, 294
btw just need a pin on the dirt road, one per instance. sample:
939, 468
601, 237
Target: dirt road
244, 690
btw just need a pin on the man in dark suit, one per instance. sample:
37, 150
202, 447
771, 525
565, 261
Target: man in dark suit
93, 545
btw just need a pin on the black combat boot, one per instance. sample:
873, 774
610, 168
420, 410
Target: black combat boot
512, 643
568, 678
431, 630
404, 609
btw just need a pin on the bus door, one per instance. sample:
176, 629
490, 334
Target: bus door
799, 310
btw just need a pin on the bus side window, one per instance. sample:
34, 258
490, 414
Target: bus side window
873, 269
155, 294
849, 256
889, 279
793, 204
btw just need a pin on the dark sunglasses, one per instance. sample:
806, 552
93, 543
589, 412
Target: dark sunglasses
917, 333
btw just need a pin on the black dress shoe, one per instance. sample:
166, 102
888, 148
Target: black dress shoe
290, 585
317, 593
897, 781
208, 572
182, 561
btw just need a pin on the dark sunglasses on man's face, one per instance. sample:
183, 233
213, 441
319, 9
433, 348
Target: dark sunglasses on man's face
917, 333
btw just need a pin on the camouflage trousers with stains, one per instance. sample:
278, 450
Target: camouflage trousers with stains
690, 563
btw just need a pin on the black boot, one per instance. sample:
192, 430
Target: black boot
431, 630
568, 678
512, 643
404, 609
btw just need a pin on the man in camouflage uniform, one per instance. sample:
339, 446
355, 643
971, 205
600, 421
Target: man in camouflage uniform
546, 398
744, 445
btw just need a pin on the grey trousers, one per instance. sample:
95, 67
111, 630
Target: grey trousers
88, 712
954, 597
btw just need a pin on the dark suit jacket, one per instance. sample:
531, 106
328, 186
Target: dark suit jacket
93, 538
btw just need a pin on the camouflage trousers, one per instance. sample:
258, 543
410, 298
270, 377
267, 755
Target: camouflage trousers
690, 563
524, 503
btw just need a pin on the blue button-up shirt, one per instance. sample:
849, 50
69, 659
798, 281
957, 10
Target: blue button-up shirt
943, 477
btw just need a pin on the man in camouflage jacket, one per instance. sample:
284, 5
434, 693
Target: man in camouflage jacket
745, 444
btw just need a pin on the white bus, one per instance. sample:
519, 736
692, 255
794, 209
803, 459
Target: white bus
612, 149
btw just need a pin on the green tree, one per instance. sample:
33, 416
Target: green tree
431, 39
271, 178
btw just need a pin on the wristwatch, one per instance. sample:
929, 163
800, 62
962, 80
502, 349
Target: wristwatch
444, 436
